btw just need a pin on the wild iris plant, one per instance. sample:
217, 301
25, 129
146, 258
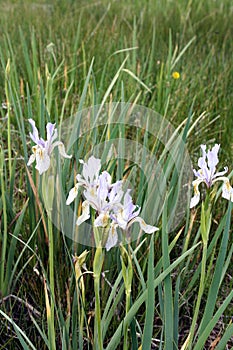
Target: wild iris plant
106, 199
44, 148
207, 174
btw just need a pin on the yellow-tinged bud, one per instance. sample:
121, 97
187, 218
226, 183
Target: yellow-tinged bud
8, 67
79, 262
98, 261
48, 191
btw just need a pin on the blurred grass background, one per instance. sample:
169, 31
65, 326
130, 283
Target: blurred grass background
73, 32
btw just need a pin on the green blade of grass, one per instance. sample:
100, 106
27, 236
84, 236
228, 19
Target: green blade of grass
206, 332
19, 331
226, 336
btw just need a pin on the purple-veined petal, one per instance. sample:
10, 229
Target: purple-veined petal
198, 174
204, 171
104, 185
85, 213
91, 169
212, 157
50, 130
72, 194
221, 173
34, 135
116, 193
129, 207
112, 237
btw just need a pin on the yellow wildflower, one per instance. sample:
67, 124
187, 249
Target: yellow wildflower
176, 75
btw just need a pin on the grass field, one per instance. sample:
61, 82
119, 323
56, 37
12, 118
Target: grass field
172, 61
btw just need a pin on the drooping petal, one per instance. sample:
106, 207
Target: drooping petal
72, 194
112, 237
227, 191
85, 213
146, 228
42, 160
61, 149
31, 159
196, 198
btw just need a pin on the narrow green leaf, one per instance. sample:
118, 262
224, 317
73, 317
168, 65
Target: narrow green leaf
19, 331
216, 281
225, 338
168, 299
116, 338
206, 332
150, 300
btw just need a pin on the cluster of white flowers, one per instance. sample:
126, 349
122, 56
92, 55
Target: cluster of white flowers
113, 207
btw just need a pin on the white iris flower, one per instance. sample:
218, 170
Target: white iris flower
207, 174
43, 149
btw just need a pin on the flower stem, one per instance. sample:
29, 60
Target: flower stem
127, 307
51, 283
127, 273
199, 296
98, 332
205, 228
97, 268
7, 79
